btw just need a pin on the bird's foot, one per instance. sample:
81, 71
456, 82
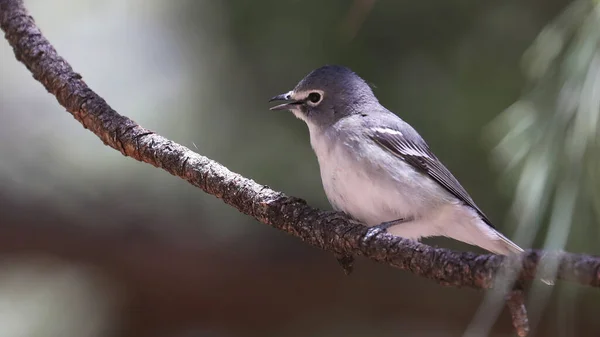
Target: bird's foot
373, 231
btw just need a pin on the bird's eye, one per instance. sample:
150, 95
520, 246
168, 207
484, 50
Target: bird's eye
314, 97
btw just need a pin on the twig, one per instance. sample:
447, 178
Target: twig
515, 301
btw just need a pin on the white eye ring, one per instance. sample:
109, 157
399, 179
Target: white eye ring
314, 98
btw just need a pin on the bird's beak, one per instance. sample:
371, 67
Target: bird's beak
289, 102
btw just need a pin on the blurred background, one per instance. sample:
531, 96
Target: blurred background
96, 244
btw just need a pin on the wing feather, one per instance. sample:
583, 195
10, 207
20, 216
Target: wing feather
416, 153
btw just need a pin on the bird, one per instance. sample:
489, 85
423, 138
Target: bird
377, 169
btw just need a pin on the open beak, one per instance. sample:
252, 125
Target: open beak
289, 102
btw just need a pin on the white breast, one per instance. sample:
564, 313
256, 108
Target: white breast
381, 188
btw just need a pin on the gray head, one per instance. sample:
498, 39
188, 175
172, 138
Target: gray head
326, 95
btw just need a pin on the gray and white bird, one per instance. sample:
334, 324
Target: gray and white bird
377, 169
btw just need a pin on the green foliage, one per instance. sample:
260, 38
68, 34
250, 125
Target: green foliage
548, 139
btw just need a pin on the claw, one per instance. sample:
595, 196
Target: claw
381, 228
371, 233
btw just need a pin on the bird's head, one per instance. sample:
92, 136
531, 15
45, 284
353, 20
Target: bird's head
326, 95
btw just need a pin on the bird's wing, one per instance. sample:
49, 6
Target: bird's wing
412, 149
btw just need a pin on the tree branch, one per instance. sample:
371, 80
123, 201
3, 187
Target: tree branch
327, 230
515, 301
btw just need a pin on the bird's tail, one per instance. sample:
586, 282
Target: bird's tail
503, 246
479, 233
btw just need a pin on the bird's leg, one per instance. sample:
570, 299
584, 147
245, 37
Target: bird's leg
382, 228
